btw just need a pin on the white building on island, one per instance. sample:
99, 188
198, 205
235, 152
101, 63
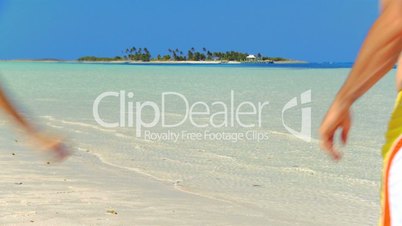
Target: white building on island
251, 58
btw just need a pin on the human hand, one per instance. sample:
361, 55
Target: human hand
338, 117
51, 144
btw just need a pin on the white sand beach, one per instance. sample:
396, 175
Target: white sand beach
84, 190
87, 191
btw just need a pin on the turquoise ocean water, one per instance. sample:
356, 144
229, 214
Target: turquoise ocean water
282, 177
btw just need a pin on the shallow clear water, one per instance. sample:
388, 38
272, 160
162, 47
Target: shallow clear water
282, 177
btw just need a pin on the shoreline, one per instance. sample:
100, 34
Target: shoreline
90, 201
152, 62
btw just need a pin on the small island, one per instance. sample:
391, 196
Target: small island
143, 55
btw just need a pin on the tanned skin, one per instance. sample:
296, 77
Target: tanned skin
378, 55
40, 140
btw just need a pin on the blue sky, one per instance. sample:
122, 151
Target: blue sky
312, 30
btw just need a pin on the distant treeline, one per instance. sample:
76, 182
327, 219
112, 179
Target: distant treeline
94, 58
143, 54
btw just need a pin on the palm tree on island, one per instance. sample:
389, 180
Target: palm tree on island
144, 55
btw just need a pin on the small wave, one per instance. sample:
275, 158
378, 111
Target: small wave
214, 155
300, 169
46, 99
54, 126
309, 171
47, 117
288, 135
80, 124
142, 172
122, 135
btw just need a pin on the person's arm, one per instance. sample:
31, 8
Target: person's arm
378, 55
42, 141
10, 110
